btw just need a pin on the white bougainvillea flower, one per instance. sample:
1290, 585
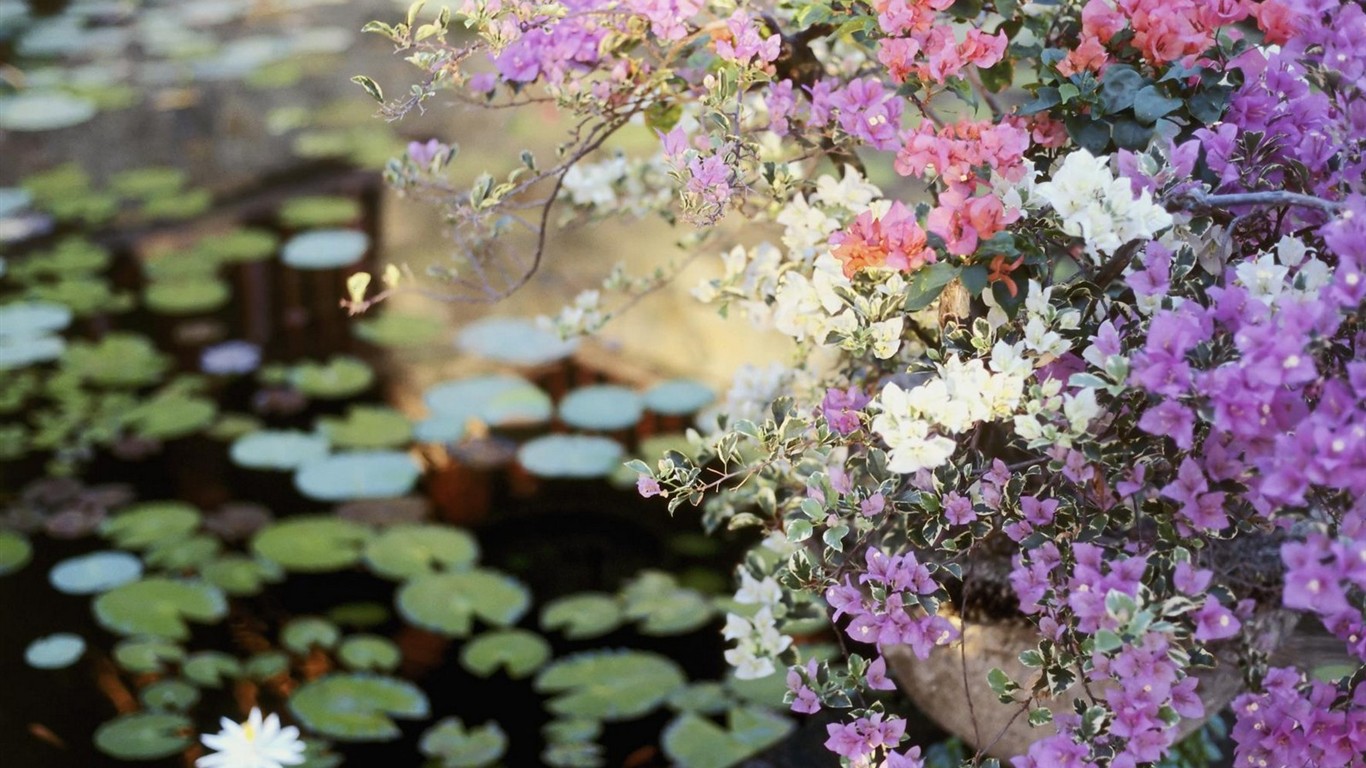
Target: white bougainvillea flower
257, 743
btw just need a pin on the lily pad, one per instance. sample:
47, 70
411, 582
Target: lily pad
71, 256
119, 360
54, 651
182, 554
371, 653
186, 296
570, 456
662, 607
209, 669
360, 615
708, 697
303, 633
171, 415
514, 340
240, 575
266, 665
159, 607
678, 397
142, 525
312, 544
169, 696
449, 602
520, 407
84, 295
453, 746
582, 616
358, 475
144, 736
143, 656
238, 246
184, 205
277, 449
693, 741
15, 551
571, 729
144, 183
94, 573
28, 319
367, 427
602, 407
319, 211
399, 330
408, 551
609, 685
22, 351
326, 249
463, 399
338, 379
518, 651
43, 111
357, 707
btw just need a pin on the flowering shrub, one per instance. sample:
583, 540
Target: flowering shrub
1108, 329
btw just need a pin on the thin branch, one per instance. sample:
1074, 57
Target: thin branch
1198, 199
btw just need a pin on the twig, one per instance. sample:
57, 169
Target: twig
1197, 199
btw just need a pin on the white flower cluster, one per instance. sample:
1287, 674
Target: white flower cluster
1269, 278
618, 184
916, 423
758, 641
581, 318
1098, 207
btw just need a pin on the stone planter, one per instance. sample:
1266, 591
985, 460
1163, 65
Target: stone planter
937, 684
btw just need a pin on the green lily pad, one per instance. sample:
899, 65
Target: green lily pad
142, 525
178, 268
678, 397
159, 607
325, 249
572, 729
570, 456
358, 475
171, 415
319, 211
144, 736
43, 111
143, 656
189, 296
514, 340
763, 691
303, 633
662, 607
367, 427
399, 330
520, 407
61, 181
518, 651
183, 205
693, 741
71, 256
240, 575
94, 573
143, 183
451, 745
239, 246
266, 666
27, 319
312, 544
582, 616
338, 379
464, 399
359, 615
83, 294
708, 698
574, 754
448, 602
609, 685
54, 651
120, 360
169, 696
357, 707
369, 653
602, 407
408, 551
209, 669
15, 552
230, 426
277, 449
22, 351
181, 554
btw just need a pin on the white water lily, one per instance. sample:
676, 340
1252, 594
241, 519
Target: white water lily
257, 743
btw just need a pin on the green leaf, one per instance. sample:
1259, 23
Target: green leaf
448, 602
692, 741
799, 530
182, 554
1150, 104
144, 736
371, 87
1130, 134
56, 651
277, 449
147, 655
609, 685
312, 544
367, 427
369, 653
210, 668
518, 651
583, 615
358, 475
927, 283
357, 707
169, 696
159, 607
662, 607
1118, 88
15, 552
300, 635
241, 575
407, 551
454, 746
707, 698
143, 525
266, 665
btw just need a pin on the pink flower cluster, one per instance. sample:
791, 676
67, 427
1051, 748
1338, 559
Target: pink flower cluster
1326, 575
743, 44
918, 46
1290, 723
1164, 30
865, 736
892, 241
886, 618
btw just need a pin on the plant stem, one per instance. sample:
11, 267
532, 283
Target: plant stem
1273, 197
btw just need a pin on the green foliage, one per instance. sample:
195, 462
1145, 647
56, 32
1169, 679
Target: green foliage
159, 607
661, 607
15, 551
357, 707
609, 685
693, 741
169, 696
367, 427
303, 633
582, 616
55, 651
449, 602
312, 544
517, 651
369, 653
209, 669
143, 525
144, 736
408, 551
147, 655
451, 745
